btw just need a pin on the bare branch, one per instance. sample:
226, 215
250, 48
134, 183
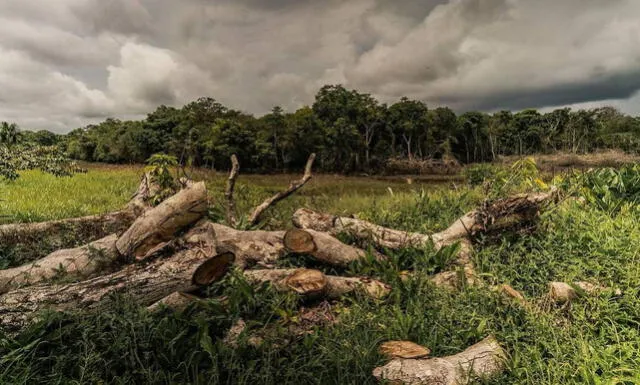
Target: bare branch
293, 187
228, 193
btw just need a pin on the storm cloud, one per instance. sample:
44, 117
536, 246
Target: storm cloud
74, 62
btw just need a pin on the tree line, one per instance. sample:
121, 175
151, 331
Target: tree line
349, 130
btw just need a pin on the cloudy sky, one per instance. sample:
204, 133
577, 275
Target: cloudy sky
66, 63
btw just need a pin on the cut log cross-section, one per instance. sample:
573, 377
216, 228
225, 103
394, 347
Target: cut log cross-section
158, 226
198, 264
482, 360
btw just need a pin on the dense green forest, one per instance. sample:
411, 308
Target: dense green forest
350, 131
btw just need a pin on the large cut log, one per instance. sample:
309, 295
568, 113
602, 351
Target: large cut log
81, 262
159, 225
266, 247
34, 240
491, 217
315, 284
196, 265
482, 360
323, 247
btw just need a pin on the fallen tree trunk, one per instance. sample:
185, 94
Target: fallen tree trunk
81, 262
482, 360
34, 240
157, 226
264, 248
315, 284
495, 216
196, 265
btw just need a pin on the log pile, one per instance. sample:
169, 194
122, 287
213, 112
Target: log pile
159, 256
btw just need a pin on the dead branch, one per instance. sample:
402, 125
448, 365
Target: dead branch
254, 218
195, 265
482, 360
228, 193
158, 226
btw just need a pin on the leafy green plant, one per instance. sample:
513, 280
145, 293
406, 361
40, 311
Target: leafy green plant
159, 168
608, 188
49, 159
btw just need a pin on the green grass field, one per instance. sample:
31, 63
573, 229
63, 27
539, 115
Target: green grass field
595, 340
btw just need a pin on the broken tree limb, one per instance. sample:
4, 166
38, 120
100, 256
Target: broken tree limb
482, 360
195, 266
81, 262
228, 193
494, 216
34, 240
254, 218
160, 224
315, 284
266, 247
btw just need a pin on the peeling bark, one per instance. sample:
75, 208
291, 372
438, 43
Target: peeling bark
81, 262
161, 224
315, 284
195, 266
482, 360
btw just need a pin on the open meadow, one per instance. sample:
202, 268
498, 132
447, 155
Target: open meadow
594, 339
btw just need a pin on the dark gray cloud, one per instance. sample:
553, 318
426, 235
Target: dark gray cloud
79, 61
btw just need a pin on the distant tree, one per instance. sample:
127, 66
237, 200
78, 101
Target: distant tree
9, 133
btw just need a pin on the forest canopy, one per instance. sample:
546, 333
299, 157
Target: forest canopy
349, 130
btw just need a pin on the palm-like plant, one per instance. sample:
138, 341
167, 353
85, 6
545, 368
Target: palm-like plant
9, 133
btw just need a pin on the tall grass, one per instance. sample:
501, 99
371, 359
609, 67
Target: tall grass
595, 340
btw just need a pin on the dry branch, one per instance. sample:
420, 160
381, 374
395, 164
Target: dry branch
482, 360
196, 265
160, 224
254, 218
81, 262
315, 284
228, 193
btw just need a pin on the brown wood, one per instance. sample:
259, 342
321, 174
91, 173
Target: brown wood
482, 360
161, 224
145, 283
228, 193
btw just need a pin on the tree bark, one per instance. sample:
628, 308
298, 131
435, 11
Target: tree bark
229, 189
482, 360
81, 262
157, 226
196, 265
315, 284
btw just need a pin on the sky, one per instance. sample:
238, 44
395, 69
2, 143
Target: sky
68, 63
